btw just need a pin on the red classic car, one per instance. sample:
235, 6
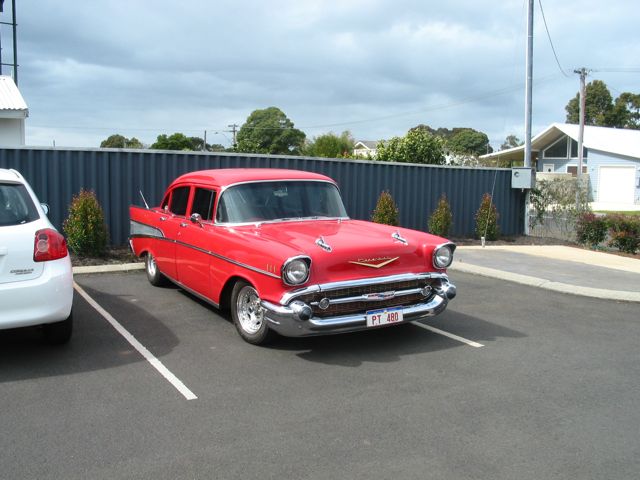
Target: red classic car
277, 248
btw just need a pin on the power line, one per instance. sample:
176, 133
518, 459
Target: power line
550, 41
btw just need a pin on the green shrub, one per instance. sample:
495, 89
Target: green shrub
85, 228
386, 211
487, 219
591, 229
624, 232
441, 218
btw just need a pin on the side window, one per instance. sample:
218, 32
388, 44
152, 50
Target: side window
179, 199
203, 203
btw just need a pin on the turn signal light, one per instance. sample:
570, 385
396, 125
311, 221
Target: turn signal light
49, 245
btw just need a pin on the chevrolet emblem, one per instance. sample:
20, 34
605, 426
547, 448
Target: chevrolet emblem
374, 262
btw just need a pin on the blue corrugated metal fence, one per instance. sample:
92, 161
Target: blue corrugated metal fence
116, 176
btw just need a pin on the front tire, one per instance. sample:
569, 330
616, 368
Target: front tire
153, 272
60, 332
248, 314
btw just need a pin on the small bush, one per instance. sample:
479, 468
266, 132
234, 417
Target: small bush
624, 232
487, 219
591, 229
85, 227
386, 211
441, 218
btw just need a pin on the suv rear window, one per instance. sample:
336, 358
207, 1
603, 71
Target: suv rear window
16, 205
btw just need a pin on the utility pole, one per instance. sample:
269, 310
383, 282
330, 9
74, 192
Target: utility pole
528, 106
583, 72
528, 87
234, 129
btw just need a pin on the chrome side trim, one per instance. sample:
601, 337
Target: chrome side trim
208, 252
139, 229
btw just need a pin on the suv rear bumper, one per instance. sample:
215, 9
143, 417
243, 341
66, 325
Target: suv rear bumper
46, 299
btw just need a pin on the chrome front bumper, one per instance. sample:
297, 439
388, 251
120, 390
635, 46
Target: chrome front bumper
296, 318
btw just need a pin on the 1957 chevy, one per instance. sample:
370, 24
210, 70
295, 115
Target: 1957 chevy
277, 248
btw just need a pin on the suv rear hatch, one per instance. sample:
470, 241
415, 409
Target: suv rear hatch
19, 221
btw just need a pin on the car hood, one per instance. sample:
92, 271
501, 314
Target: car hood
348, 249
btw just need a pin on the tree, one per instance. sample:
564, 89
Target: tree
269, 131
467, 141
511, 142
626, 111
330, 145
120, 141
598, 105
177, 141
417, 146
386, 211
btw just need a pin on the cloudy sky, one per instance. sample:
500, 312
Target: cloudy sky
140, 68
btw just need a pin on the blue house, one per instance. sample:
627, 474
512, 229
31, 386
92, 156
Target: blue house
611, 159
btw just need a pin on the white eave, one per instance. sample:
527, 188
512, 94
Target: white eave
12, 105
617, 141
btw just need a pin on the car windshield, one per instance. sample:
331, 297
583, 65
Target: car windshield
280, 200
16, 206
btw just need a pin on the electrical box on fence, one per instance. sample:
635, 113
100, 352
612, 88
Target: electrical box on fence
523, 177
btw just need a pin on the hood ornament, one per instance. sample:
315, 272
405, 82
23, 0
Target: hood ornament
374, 262
323, 245
396, 236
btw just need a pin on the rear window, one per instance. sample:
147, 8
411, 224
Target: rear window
16, 206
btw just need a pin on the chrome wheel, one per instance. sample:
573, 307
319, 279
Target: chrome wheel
250, 312
154, 275
152, 266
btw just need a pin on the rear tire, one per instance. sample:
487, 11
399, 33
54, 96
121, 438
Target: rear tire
60, 332
153, 272
248, 314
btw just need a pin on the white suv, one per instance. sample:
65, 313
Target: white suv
36, 279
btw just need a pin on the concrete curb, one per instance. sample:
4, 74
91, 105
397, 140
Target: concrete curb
116, 267
624, 296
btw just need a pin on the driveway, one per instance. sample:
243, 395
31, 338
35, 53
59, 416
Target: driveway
551, 393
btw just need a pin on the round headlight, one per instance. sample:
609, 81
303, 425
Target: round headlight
295, 271
442, 256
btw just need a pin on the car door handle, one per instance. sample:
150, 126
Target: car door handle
184, 225
163, 219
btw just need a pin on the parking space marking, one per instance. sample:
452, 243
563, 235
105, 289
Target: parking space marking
450, 335
157, 364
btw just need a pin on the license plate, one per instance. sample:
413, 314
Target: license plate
384, 316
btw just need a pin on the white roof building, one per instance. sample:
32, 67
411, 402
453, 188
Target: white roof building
611, 158
13, 112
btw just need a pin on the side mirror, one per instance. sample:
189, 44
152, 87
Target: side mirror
45, 207
196, 218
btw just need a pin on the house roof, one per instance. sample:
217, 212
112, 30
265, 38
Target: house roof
371, 145
618, 141
11, 102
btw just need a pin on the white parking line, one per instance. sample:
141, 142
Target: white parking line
447, 334
157, 364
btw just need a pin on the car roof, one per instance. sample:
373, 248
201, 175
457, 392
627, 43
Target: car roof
224, 177
10, 175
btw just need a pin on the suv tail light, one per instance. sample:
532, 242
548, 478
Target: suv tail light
49, 245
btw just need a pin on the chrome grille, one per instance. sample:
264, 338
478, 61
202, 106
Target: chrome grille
360, 305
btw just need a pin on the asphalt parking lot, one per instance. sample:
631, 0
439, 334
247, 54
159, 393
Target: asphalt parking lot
538, 385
